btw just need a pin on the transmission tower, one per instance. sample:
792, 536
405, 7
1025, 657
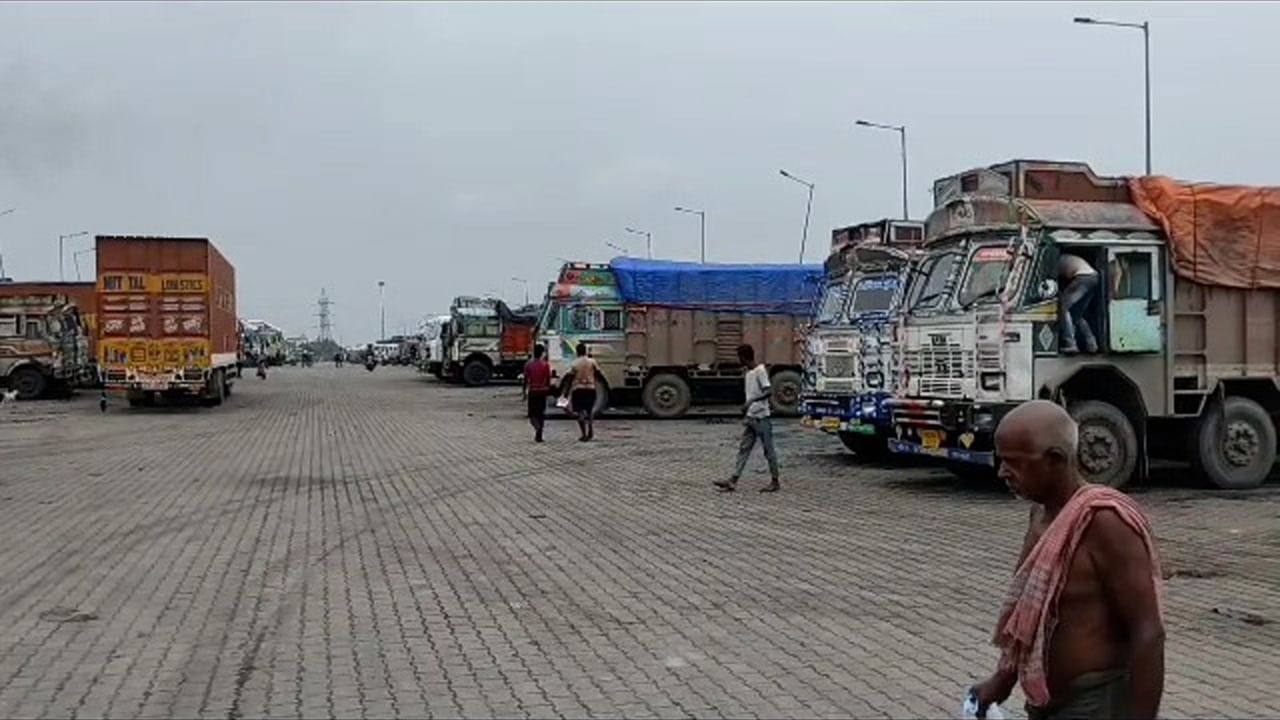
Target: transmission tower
326, 317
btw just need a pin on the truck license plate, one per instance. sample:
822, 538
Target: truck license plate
154, 385
930, 439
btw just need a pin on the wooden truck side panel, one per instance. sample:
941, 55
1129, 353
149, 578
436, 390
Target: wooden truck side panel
704, 340
1224, 333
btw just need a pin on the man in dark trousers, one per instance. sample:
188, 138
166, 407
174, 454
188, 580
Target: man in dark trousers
1081, 626
537, 387
757, 425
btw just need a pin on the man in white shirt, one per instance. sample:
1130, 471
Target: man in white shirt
756, 422
1079, 283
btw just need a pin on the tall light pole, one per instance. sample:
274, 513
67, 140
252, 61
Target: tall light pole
62, 239
1145, 27
648, 240
702, 218
804, 236
526, 287
902, 132
75, 259
3, 277
382, 308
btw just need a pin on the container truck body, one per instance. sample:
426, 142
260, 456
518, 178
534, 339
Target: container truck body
167, 318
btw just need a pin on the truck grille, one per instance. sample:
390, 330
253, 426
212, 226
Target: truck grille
838, 366
837, 385
941, 370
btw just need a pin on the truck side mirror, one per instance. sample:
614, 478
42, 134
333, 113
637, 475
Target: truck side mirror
1048, 288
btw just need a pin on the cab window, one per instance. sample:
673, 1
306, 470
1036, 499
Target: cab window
10, 326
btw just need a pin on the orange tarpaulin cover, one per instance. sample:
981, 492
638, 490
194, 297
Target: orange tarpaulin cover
1226, 235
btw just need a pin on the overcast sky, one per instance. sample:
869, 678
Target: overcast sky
445, 148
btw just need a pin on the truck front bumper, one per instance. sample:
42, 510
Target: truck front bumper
834, 414
953, 430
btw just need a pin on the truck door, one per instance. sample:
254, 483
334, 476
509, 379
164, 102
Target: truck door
1133, 295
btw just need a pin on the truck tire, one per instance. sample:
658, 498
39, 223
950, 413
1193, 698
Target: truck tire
1108, 450
29, 382
785, 398
477, 373
666, 395
1235, 444
139, 398
867, 447
217, 390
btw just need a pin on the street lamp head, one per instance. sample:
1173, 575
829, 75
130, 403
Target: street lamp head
863, 123
784, 173
1085, 20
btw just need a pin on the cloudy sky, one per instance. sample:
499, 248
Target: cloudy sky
445, 148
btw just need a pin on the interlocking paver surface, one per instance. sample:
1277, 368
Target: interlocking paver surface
352, 544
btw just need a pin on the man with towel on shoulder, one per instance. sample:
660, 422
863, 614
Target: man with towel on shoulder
1081, 628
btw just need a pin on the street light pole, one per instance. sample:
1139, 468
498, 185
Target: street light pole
1145, 27
804, 236
702, 223
3, 277
382, 308
62, 239
648, 240
902, 134
526, 287
75, 259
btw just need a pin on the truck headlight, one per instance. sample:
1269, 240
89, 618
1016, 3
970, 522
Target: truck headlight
875, 379
991, 381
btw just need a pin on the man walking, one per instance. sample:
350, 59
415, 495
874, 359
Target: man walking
1081, 626
757, 425
580, 384
537, 387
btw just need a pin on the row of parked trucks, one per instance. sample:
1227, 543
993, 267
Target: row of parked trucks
664, 334
160, 319
929, 333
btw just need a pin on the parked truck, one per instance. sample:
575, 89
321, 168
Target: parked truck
434, 330
167, 324
486, 339
82, 295
851, 370
665, 334
43, 344
1187, 318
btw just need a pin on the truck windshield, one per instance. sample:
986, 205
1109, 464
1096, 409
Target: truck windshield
832, 308
986, 276
930, 286
874, 294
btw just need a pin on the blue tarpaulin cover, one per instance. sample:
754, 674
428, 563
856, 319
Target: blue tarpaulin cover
785, 289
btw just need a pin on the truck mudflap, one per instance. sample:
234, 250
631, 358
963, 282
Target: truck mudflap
973, 457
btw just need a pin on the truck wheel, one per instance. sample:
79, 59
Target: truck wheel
1235, 444
138, 398
1108, 449
785, 398
666, 395
867, 447
477, 373
217, 389
29, 382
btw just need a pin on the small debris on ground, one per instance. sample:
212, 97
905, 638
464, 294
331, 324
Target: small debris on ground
61, 614
1244, 616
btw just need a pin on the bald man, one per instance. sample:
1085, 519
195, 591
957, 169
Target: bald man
1081, 627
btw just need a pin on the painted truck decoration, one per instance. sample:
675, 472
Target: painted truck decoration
1187, 316
665, 334
852, 365
167, 318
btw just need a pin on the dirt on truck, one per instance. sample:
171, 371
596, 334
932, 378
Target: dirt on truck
167, 318
665, 334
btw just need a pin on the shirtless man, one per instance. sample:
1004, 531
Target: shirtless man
1104, 657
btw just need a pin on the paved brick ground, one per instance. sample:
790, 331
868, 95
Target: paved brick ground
340, 543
